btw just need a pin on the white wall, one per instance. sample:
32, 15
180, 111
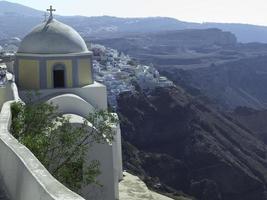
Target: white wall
110, 166
8, 91
118, 150
95, 94
109, 156
109, 191
72, 104
24, 177
82, 101
5, 94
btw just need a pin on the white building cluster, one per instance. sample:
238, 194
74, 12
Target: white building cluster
118, 72
9, 45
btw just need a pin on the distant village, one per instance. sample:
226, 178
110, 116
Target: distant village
119, 72
112, 68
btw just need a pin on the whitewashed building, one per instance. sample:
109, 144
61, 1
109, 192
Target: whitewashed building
54, 59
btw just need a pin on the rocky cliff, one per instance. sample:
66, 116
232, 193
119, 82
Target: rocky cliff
231, 84
179, 145
254, 120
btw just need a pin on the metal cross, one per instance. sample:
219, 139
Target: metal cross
51, 10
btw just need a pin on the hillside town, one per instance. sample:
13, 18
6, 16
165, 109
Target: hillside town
119, 73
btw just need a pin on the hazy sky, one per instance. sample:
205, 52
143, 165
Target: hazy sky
243, 11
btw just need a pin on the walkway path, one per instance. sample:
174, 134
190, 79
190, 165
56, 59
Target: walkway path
132, 188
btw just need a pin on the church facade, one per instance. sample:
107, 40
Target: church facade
54, 56
54, 60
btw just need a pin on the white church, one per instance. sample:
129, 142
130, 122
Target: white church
54, 60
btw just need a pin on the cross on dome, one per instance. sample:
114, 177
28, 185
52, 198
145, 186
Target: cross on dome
51, 10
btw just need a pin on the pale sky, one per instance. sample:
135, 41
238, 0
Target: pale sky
240, 11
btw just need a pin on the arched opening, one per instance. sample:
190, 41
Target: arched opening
59, 76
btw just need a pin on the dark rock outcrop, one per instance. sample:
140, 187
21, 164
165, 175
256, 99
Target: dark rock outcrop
187, 146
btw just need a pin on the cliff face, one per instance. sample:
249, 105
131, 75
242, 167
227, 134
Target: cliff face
180, 143
254, 120
231, 84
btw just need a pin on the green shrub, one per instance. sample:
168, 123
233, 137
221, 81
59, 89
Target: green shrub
61, 147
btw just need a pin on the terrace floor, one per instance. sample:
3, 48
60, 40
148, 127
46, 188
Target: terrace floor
132, 188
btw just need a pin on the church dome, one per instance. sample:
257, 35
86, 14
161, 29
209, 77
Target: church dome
52, 37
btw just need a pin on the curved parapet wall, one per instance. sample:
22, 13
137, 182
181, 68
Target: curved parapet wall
95, 93
24, 177
71, 103
15, 91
